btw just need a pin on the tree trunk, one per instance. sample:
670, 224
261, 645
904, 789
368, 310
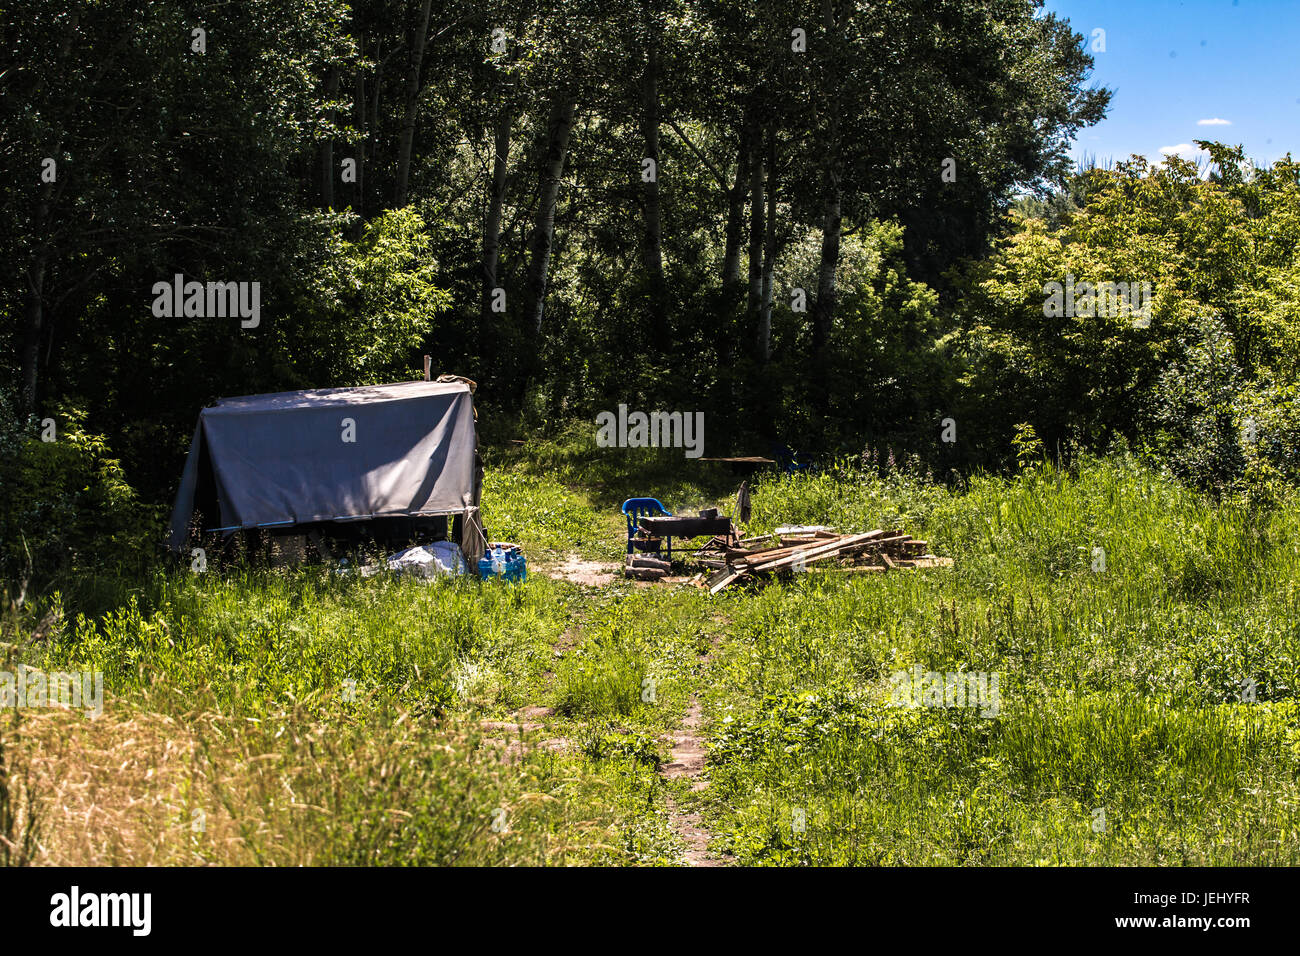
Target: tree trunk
557, 148
652, 253
327, 172
412, 98
359, 119
375, 127
769, 255
725, 392
756, 210
34, 307
33, 321
492, 225
824, 309
736, 214
827, 293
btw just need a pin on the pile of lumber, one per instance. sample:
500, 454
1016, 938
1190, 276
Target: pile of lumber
867, 552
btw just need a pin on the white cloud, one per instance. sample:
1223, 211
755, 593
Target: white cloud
1188, 151
1214, 122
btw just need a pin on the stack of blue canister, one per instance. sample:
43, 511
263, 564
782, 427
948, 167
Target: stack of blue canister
505, 561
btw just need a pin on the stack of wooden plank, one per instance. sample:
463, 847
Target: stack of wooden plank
869, 551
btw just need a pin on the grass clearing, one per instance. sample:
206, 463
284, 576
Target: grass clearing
1146, 712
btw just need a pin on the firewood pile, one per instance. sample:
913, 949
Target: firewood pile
869, 552
646, 567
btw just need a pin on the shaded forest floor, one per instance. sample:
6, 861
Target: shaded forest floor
1145, 709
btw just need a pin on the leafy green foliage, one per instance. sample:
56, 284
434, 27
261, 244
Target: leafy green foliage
372, 303
68, 509
1220, 253
1122, 678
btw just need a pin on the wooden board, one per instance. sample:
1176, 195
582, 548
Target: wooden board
805, 555
725, 578
685, 526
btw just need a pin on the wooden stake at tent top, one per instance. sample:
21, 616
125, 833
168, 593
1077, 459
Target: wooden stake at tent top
428, 365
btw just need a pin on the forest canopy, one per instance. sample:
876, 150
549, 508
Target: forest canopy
828, 226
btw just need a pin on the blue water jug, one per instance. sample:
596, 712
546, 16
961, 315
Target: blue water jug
516, 568
505, 563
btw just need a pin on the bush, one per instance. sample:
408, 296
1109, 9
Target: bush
67, 506
1217, 431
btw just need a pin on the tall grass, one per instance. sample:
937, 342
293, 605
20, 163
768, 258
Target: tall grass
1154, 698
251, 639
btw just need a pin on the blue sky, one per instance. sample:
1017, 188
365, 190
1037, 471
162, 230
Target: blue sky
1177, 65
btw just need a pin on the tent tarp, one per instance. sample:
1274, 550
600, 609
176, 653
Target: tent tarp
333, 454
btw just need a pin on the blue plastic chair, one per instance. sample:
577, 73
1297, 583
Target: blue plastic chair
634, 509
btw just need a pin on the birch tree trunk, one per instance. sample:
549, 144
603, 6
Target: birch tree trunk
561, 125
492, 224
412, 99
652, 253
769, 255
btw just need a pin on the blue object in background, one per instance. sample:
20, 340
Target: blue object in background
517, 567
505, 563
785, 458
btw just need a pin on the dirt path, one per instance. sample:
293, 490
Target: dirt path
511, 736
597, 574
581, 571
521, 732
688, 761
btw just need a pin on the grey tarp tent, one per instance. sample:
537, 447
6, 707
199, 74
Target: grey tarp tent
333, 455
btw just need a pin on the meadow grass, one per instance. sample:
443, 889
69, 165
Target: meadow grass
1146, 708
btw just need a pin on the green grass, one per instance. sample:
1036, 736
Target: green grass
253, 638
1121, 689
1122, 735
562, 496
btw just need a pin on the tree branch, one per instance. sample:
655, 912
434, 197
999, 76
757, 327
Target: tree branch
722, 182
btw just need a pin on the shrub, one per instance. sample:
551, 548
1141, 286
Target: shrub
67, 505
